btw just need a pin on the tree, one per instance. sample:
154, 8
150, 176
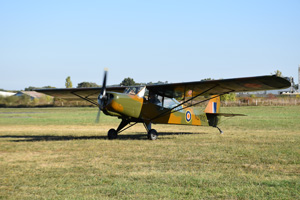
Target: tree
68, 83
228, 97
31, 88
207, 79
278, 73
157, 83
48, 87
87, 85
161, 82
128, 82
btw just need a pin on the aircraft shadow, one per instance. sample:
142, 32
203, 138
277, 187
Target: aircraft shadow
38, 138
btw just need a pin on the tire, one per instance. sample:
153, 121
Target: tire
152, 134
112, 134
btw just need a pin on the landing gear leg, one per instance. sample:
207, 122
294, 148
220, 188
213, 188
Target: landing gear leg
113, 134
221, 132
151, 133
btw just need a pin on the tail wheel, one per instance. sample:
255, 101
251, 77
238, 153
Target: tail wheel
152, 134
112, 134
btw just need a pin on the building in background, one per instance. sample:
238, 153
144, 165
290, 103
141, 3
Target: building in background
6, 94
31, 94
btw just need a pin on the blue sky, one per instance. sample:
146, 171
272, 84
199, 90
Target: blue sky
43, 42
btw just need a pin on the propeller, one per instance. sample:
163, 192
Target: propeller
102, 96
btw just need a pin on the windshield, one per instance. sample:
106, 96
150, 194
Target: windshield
133, 90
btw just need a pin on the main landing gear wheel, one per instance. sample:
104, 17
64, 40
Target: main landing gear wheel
112, 134
152, 134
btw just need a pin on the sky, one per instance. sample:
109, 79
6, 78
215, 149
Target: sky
43, 42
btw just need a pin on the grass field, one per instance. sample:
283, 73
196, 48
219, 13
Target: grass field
59, 153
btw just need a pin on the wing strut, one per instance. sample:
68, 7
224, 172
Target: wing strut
121, 127
199, 102
86, 99
173, 111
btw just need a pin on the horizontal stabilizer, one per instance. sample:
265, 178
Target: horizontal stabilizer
225, 114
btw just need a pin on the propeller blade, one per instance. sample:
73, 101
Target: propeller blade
103, 90
98, 117
102, 96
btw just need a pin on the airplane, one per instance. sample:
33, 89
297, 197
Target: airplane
171, 103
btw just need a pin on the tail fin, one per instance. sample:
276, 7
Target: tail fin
213, 114
213, 105
212, 109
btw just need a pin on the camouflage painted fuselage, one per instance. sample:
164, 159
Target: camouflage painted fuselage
135, 108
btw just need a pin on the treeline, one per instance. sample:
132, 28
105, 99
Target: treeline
31, 88
28, 101
129, 82
126, 82
226, 100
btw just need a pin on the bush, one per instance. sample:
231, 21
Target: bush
271, 96
246, 100
228, 97
24, 100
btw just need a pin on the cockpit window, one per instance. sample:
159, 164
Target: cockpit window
156, 99
171, 103
164, 102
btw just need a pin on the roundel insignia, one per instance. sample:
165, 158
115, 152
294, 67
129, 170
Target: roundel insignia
188, 116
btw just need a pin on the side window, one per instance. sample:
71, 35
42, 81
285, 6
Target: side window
171, 103
164, 101
154, 98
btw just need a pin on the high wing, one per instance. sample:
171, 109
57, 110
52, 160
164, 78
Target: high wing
78, 93
181, 90
219, 87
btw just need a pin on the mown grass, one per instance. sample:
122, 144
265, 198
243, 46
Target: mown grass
59, 153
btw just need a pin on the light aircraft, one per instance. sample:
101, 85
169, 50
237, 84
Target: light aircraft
166, 103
